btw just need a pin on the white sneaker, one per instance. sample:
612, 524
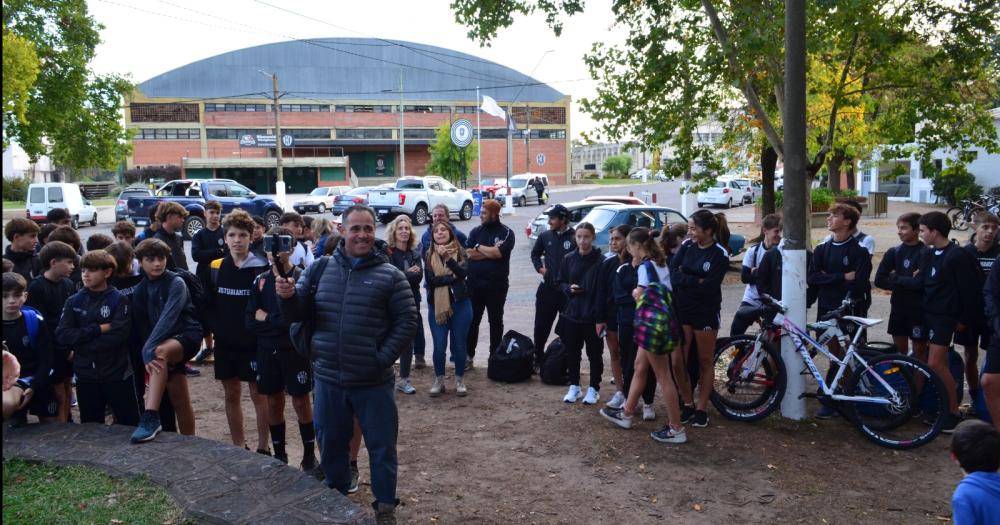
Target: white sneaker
617, 400
573, 395
648, 414
460, 389
592, 396
438, 387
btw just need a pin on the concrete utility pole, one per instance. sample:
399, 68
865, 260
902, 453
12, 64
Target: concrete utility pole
402, 152
796, 221
527, 138
279, 186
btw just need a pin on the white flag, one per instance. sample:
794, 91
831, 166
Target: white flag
490, 106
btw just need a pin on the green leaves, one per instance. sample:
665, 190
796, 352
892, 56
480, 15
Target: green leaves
69, 112
446, 158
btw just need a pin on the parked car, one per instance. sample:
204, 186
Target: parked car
121, 205
192, 194
491, 187
45, 196
416, 196
320, 199
521, 193
354, 196
620, 199
644, 172
724, 193
577, 211
751, 189
898, 188
606, 217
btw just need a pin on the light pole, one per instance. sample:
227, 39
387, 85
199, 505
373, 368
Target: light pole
402, 152
279, 186
509, 202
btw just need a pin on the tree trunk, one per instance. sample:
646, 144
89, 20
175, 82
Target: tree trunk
852, 182
768, 163
833, 170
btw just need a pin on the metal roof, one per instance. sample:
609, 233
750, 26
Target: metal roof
348, 69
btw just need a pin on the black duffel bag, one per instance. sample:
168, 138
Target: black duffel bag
554, 369
513, 360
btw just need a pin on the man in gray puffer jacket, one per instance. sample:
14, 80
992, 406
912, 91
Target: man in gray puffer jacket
365, 316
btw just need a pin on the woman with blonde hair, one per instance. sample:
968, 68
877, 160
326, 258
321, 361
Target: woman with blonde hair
403, 255
448, 304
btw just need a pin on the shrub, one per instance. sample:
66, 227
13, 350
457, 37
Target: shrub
822, 199
955, 183
16, 188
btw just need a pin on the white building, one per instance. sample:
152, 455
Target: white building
912, 185
17, 164
590, 158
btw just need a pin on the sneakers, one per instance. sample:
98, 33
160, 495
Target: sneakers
149, 427
281, 457
648, 414
469, 365
949, 423
385, 514
573, 395
617, 400
669, 435
687, 413
265, 452
826, 412
700, 419
460, 389
203, 356
592, 396
438, 388
404, 386
191, 371
355, 479
310, 466
617, 416
419, 362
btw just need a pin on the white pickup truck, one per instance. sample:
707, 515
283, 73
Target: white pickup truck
417, 196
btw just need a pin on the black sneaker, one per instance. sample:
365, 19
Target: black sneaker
617, 416
310, 466
191, 371
669, 435
265, 452
700, 419
355, 480
282, 458
950, 421
687, 413
203, 356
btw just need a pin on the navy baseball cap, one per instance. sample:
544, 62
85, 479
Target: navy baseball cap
557, 210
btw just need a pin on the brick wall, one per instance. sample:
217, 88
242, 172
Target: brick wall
164, 152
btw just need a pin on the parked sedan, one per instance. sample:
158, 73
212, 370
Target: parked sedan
620, 199
354, 196
320, 199
606, 217
121, 205
751, 190
577, 210
724, 193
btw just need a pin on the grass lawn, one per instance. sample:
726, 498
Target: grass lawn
21, 204
36, 493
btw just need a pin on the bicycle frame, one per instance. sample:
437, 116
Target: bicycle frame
803, 342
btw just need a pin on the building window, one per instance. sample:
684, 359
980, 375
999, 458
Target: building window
233, 134
168, 134
304, 108
466, 109
364, 133
307, 133
418, 133
494, 133
426, 109
539, 115
362, 108
214, 108
164, 112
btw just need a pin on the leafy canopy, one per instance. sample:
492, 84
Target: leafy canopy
446, 158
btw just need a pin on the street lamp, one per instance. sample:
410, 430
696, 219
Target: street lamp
279, 186
509, 203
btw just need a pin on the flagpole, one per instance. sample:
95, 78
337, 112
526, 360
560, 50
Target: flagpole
479, 140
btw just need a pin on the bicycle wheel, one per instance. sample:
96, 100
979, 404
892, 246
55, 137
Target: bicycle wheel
748, 385
958, 219
901, 424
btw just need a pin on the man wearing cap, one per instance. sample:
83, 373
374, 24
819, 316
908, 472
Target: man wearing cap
489, 246
547, 255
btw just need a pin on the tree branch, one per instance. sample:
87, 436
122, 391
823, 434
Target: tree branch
747, 88
832, 126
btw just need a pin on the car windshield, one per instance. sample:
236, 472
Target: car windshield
518, 183
600, 218
359, 191
318, 192
720, 184
410, 184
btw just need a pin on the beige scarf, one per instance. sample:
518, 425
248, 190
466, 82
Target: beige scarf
442, 294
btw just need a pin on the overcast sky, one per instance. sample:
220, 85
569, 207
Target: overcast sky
149, 37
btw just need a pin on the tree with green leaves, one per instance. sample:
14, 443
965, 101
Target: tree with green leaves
446, 157
60, 107
880, 72
617, 166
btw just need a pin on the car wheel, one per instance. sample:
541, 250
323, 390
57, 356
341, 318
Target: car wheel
271, 219
466, 212
192, 225
385, 219
93, 222
75, 223
420, 215
730, 203
701, 205
522, 202
321, 208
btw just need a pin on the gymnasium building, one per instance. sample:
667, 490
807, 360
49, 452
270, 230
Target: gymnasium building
341, 101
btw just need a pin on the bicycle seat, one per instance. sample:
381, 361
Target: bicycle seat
863, 321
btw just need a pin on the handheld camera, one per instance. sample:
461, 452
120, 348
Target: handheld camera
277, 244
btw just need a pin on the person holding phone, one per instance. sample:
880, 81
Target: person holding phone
578, 278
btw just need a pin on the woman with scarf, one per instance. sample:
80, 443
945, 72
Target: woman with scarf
448, 304
404, 255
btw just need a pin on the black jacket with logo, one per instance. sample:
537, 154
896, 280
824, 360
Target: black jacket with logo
895, 273
272, 332
25, 263
952, 284
491, 273
97, 357
231, 290
549, 251
585, 272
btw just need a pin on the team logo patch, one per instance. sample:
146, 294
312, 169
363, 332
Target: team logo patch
846, 262
53, 407
917, 332
906, 264
221, 242
25, 342
930, 334
706, 266
566, 245
253, 365
105, 311
933, 271
302, 377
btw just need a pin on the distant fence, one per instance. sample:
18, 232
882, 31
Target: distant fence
96, 190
